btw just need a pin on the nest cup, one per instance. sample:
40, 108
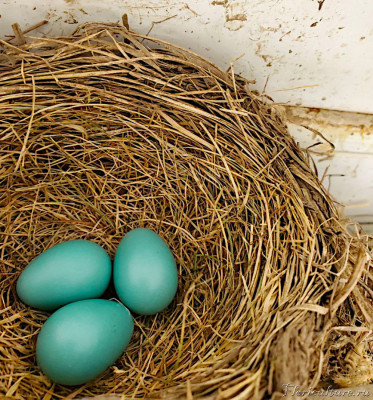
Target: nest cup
108, 130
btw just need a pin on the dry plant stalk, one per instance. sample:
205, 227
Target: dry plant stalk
108, 130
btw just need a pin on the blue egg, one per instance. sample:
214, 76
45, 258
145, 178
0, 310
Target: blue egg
70, 271
145, 272
81, 340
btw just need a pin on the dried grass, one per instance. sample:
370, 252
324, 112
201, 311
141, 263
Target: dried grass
108, 130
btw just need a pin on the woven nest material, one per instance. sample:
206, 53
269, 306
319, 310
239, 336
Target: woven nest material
108, 130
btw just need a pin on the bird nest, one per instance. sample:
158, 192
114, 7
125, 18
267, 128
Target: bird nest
108, 130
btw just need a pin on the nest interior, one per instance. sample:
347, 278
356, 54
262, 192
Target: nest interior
107, 130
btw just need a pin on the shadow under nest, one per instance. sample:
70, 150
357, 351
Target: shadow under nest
108, 130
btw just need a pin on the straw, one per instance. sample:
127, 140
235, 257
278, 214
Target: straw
108, 130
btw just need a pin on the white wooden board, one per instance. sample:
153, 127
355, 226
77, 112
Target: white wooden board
348, 170
307, 52
313, 53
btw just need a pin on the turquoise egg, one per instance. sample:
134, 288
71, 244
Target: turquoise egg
81, 340
70, 271
145, 273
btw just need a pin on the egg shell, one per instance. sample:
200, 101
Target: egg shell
81, 340
145, 272
70, 271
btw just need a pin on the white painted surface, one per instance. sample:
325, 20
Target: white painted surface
331, 59
316, 58
347, 171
